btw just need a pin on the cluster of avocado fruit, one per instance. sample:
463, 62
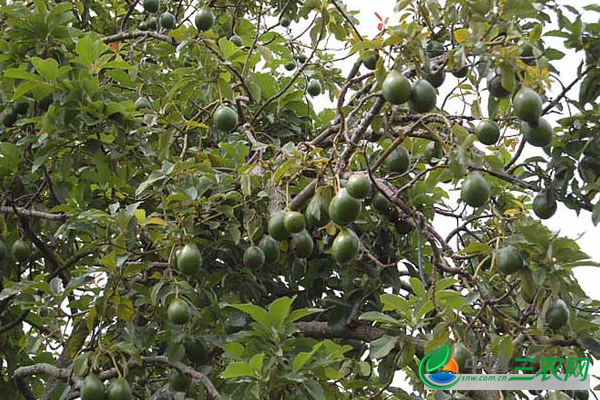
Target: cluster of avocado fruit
20, 251
188, 261
509, 261
527, 106
166, 20
204, 19
420, 95
342, 209
299, 58
92, 387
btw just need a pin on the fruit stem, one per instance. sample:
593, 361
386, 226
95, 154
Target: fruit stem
115, 364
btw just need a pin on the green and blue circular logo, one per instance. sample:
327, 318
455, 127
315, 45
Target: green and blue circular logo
441, 368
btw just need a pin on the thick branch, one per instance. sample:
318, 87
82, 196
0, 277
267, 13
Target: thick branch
42, 368
119, 37
362, 332
304, 196
34, 213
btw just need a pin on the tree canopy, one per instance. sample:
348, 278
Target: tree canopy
178, 219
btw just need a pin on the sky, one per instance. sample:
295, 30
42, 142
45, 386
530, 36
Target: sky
565, 221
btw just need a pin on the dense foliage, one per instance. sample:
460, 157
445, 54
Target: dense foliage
178, 217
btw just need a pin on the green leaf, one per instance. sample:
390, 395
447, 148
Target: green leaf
15, 288
155, 176
507, 77
557, 395
518, 9
506, 347
381, 347
554, 54
257, 313
25, 88
89, 50
197, 125
445, 283
118, 64
475, 248
127, 347
80, 364
596, 214
535, 34
9, 156
15, 73
591, 344
238, 369
234, 233
375, 316
589, 90
47, 68
303, 312
392, 302
234, 348
418, 287
279, 310
302, 358
493, 106
265, 53
228, 49
246, 184
256, 362
315, 389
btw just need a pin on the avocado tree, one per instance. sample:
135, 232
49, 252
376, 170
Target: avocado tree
178, 219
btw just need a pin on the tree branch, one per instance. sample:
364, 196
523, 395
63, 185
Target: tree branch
65, 373
358, 132
34, 213
127, 15
304, 196
40, 244
291, 81
564, 92
119, 37
14, 322
234, 71
347, 18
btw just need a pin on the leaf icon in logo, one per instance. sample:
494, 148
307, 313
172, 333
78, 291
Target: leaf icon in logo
437, 358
